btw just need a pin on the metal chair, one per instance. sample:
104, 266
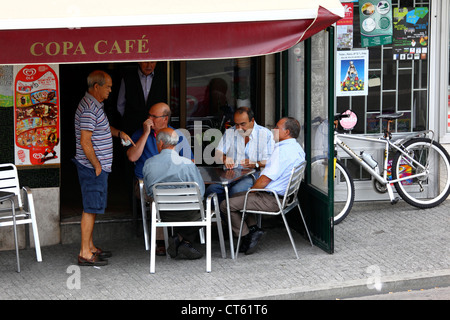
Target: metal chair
290, 201
183, 196
23, 213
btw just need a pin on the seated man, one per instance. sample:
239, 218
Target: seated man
169, 166
246, 145
145, 138
287, 154
145, 147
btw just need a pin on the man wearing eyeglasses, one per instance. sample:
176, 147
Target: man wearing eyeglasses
145, 138
146, 147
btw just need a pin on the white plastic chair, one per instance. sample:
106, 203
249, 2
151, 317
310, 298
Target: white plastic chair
183, 196
23, 213
290, 201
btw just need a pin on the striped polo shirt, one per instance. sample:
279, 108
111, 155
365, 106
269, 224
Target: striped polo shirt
91, 116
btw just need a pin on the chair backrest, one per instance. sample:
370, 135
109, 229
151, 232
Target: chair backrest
9, 180
297, 173
178, 196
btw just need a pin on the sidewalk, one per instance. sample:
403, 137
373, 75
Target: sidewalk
378, 246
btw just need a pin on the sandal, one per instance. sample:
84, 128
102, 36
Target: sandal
102, 254
93, 261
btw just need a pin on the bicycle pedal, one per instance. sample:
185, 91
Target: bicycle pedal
395, 200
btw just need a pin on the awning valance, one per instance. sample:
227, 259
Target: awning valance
63, 32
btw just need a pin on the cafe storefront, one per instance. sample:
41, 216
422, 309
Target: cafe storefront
213, 59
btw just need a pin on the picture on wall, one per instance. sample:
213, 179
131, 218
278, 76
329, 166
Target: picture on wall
352, 73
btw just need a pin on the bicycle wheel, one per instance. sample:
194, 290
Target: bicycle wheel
425, 191
344, 192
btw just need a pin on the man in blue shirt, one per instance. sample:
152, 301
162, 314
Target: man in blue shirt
287, 154
169, 166
145, 138
146, 147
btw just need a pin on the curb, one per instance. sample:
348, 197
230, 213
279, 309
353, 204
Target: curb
351, 289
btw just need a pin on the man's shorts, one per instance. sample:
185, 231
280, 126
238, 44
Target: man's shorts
94, 190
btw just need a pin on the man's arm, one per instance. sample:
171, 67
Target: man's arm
120, 134
135, 151
88, 149
261, 182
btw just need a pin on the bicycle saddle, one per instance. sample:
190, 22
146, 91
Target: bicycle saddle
390, 116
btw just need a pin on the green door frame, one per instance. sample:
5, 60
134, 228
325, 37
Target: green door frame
317, 206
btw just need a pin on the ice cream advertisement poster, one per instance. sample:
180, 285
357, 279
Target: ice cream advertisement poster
352, 73
36, 115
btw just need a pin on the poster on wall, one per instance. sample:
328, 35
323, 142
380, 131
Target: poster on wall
410, 34
6, 86
375, 22
344, 28
36, 115
352, 73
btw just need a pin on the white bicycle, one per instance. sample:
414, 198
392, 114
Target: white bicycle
420, 170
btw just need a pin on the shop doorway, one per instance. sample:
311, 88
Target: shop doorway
73, 87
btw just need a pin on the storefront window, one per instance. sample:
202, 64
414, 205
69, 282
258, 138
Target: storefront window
395, 84
214, 89
396, 77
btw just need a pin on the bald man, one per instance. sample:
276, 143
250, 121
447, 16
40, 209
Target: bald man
145, 147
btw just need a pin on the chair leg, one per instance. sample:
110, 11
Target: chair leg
16, 243
218, 220
201, 233
153, 240
208, 245
304, 223
37, 244
240, 234
290, 234
145, 224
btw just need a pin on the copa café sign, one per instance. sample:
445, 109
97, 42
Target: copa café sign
77, 45
100, 47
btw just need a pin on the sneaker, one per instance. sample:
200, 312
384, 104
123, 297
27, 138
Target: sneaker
187, 251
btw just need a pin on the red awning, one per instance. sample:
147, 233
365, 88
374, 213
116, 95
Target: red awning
171, 36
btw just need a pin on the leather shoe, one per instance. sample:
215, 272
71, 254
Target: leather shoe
245, 241
102, 254
174, 243
187, 251
255, 238
93, 261
160, 250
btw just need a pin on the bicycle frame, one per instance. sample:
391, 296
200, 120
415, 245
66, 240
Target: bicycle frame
387, 145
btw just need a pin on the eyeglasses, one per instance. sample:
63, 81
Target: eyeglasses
156, 117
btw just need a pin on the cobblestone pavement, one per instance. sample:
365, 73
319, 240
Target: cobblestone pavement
379, 248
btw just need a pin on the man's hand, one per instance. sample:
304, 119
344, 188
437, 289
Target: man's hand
229, 163
148, 124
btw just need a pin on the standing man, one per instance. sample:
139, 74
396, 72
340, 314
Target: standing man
287, 154
93, 158
246, 145
139, 90
169, 166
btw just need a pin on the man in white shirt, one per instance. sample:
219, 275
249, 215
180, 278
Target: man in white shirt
287, 154
245, 145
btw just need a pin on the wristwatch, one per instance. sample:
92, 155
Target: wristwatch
256, 165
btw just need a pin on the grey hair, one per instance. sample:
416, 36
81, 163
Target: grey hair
169, 140
293, 126
98, 77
